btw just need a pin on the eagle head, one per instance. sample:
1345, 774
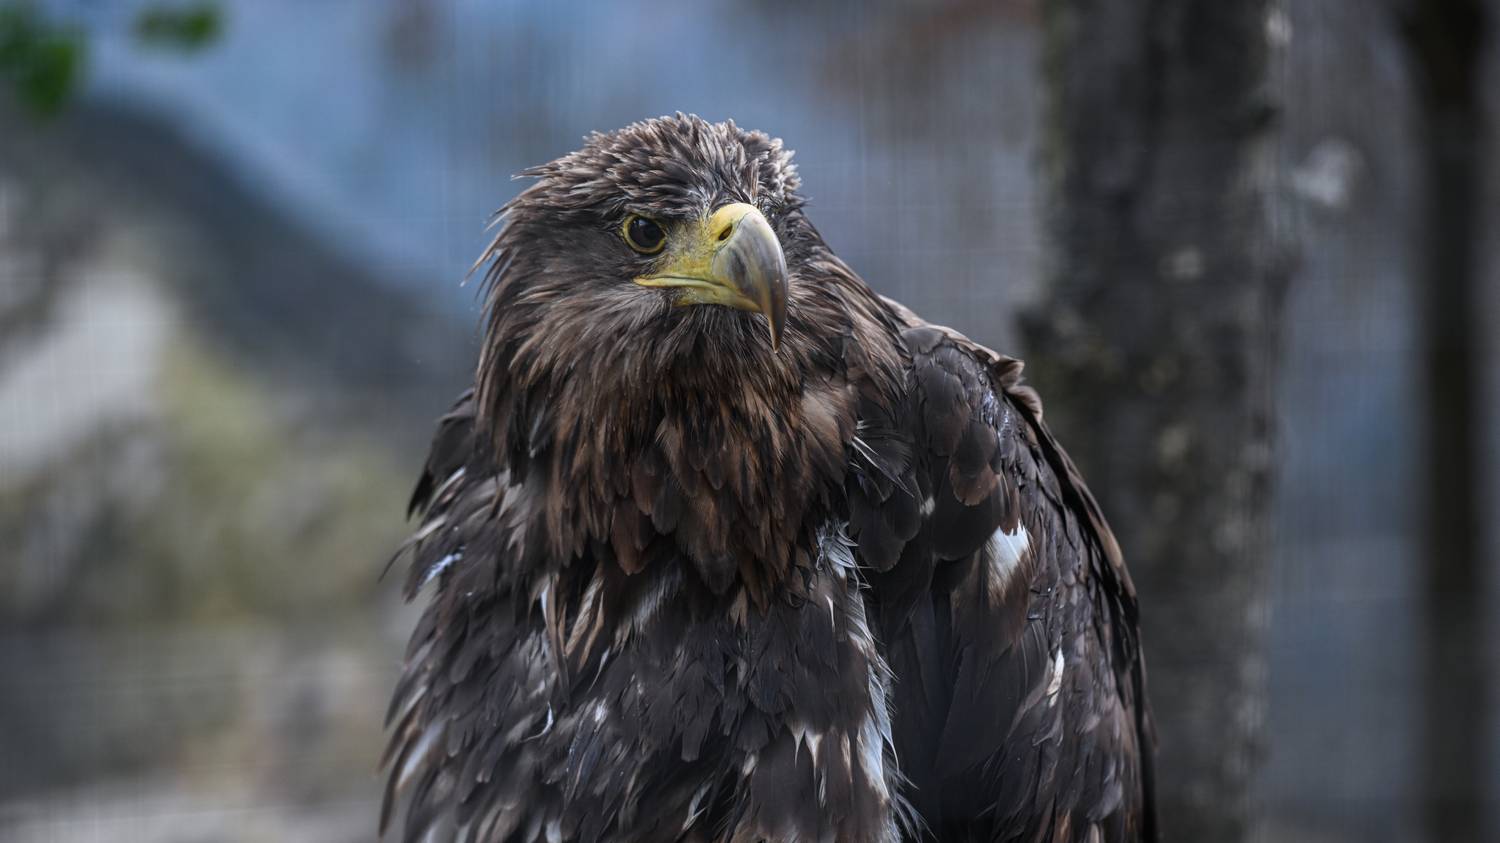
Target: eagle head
658, 296
644, 226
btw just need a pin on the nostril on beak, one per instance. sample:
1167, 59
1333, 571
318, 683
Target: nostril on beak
725, 232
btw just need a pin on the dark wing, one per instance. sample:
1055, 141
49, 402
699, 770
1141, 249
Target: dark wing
499, 729
1009, 619
459, 647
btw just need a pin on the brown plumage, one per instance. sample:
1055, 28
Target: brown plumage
690, 586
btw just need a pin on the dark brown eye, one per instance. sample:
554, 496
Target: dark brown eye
643, 235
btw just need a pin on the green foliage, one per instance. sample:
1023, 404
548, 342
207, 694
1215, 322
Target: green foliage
188, 27
40, 60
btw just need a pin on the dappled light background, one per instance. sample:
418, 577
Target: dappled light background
232, 302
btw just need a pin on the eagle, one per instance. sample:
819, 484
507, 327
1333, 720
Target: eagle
722, 545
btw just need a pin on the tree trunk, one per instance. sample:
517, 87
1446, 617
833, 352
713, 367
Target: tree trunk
1445, 41
1153, 346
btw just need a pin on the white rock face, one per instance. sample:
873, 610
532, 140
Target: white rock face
92, 367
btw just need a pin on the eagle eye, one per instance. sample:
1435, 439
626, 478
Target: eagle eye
643, 235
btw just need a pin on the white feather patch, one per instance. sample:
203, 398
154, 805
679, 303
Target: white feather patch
418, 753
871, 754
835, 548
1006, 550
1055, 683
664, 591
802, 735
696, 807
439, 567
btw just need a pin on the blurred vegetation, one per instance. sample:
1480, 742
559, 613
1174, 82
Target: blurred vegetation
43, 60
39, 59
188, 27
225, 504
314, 506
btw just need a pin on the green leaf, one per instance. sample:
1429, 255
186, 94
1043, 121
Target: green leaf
41, 61
182, 26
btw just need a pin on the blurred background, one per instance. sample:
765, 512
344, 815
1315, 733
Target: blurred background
1245, 245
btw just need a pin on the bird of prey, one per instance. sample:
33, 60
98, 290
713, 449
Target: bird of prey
724, 546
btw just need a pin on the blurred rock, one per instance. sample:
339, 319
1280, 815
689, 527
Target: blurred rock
198, 489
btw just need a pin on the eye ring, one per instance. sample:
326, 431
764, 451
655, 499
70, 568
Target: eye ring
643, 234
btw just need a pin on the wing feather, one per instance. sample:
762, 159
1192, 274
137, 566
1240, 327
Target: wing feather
1010, 621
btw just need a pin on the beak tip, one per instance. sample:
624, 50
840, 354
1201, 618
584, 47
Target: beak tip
775, 313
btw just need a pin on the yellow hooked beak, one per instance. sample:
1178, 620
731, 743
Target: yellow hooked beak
731, 258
